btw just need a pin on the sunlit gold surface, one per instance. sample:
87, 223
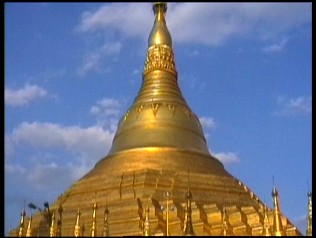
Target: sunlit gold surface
94, 217
277, 222
159, 34
159, 140
77, 230
266, 225
146, 224
29, 228
52, 226
22, 223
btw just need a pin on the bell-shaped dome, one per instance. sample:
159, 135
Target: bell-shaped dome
159, 116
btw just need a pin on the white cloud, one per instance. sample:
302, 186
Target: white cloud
75, 152
24, 96
44, 176
82, 148
107, 111
14, 169
92, 142
93, 60
293, 107
124, 17
205, 23
275, 47
213, 23
207, 122
107, 107
227, 157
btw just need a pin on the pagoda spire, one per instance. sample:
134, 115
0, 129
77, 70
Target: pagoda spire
160, 54
146, 225
224, 221
94, 214
309, 215
277, 219
266, 225
159, 113
29, 228
21, 228
52, 226
160, 34
77, 229
188, 230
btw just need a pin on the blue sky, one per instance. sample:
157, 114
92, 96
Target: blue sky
73, 69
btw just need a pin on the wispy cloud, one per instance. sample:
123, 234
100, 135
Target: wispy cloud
83, 147
205, 23
214, 23
207, 122
91, 142
124, 17
24, 96
293, 107
107, 111
92, 62
14, 169
48, 175
107, 107
275, 47
227, 157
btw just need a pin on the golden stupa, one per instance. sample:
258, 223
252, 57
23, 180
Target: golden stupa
159, 177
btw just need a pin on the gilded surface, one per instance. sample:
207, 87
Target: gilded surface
127, 194
29, 228
160, 57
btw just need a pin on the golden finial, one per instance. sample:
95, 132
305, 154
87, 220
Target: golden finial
309, 215
266, 225
277, 220
106, 222
159, 34
77, 225
162, 5
21, 228
29, 229
94, 228
146, 225
52, 226
188, 230
160, 54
